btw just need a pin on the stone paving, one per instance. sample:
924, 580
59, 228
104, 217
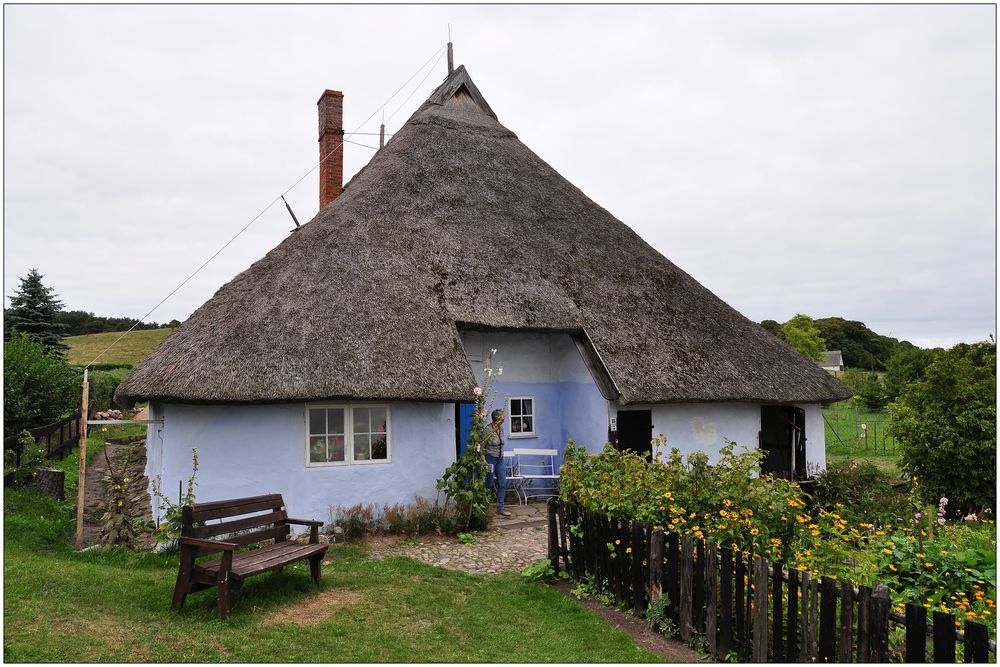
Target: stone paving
510, 545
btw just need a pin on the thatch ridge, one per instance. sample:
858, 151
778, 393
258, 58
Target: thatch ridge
456, 220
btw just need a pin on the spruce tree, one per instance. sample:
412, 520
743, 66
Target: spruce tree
33, 310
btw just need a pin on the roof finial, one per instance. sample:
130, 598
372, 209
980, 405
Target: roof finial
451, 55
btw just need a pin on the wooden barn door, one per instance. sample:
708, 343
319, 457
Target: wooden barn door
776, 433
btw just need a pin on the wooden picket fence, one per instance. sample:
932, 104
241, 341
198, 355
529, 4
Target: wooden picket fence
746, 608
59, 438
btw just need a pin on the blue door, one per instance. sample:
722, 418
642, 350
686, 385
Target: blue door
465, 411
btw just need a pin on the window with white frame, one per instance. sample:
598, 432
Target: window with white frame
346, 434
522, 416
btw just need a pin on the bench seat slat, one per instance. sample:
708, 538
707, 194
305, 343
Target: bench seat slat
199, 514
270, 557
213, 529
229, 502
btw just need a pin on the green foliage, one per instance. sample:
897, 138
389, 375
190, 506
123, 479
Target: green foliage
860, 346
39, 388
860, 491
37, 523
774, 328
802, 334
867, 387
81, 323
946, 427
123, 522
658, 616
464, 481
33, 310
102, 386
905, 367
168, 529
540, 570
467, 538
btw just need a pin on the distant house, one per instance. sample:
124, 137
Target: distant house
336, 369
833, 361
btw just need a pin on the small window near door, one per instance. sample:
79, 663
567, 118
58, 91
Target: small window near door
521, 417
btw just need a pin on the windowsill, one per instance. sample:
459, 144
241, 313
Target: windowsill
347, 464
516, 436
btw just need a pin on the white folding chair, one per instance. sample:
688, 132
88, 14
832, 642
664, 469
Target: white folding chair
537, 472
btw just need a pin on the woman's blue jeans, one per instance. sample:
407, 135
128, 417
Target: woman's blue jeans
496, 479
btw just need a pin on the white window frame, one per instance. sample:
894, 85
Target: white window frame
348, 409
533, 433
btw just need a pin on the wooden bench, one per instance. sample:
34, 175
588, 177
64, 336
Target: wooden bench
232, 567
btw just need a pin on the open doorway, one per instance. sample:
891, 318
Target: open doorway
783, 439
635, 431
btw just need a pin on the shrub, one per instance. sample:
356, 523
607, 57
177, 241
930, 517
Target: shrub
418, 518
860, 491
39, 388
102, 387
946, 427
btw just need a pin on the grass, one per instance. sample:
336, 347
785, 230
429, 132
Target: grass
114, 606
843, 437
132, 349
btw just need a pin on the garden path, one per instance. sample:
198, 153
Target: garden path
95, 490
510, 545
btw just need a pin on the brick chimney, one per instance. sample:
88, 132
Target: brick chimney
331, 146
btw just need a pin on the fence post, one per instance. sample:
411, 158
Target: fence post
977, 642
864, 623
944, 637
793, 615
553, 535
916, 632
804, 652
846, 621
687, 576
879, 635
726, 602
778, 649
759, 610
673, 578
711, 589
639, 571
656, 565
82, 469
741, 600
827, 620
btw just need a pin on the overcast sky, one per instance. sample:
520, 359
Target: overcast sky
831, 160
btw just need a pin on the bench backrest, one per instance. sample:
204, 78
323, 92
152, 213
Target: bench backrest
536, 461
267, 522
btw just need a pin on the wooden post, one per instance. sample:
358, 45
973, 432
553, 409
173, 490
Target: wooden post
741, 601
944, 637
726, 603
698, 588
711, 586
759, 610
864, 623
656, 541
553, 535
640, 572
977, 642
827, 620
916, 632
814, 617
778, 648
83, 462
451, 59
687, 581
804, 649
846, 621
793, 615
673, 578
879, 636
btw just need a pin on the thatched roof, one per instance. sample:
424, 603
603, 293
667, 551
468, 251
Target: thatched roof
456, 223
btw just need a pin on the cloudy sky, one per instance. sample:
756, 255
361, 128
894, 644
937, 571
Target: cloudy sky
831, 160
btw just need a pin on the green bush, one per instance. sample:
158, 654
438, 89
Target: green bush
39, 388
860, 491
945, 425
102, 387
418, 518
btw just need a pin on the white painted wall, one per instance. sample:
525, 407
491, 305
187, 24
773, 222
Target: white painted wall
257, 449
692, 427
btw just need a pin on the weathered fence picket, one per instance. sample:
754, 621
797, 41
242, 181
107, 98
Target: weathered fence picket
741, 605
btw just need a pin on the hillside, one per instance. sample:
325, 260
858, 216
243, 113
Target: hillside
132, 349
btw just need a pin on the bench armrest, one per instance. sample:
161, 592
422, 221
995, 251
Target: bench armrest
213, 545
313, 528
304, 522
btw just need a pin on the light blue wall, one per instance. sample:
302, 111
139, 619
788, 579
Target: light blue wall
252, 450
548, 368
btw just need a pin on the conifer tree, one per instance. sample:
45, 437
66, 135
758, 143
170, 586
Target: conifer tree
33, 309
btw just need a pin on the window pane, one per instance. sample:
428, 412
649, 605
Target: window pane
515, 425
361, 420
335, 420
317, 422
526, 407
362, 447
317, 448
515, 406
379, 450
526, 424
379, 420
337, 447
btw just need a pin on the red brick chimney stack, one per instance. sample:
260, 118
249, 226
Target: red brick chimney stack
331, 146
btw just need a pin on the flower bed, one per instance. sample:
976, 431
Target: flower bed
734, 504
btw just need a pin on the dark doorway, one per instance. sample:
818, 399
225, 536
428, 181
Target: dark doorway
783, 439
635, 431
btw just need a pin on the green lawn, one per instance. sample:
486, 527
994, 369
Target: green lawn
843, 437
112, 606
132, 349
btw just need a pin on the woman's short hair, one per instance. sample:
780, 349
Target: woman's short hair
497, 415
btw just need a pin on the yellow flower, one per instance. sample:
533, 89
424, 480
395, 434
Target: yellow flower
891, 543
125, 480
727, 502
892, 567
920, 555
723, 512
754, 531
628, 550
618, 541
928, 564
888, 552
119, 503
880, 533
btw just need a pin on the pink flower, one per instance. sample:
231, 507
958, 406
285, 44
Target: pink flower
943, 501
970, 517
477, 391
918, 515
941, 521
